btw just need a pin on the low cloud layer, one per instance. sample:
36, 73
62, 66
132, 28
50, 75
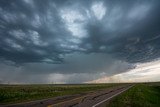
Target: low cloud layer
76, 37
76, 68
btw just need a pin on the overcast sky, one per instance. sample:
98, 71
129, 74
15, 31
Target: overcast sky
75, 41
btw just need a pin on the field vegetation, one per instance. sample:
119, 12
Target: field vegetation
22, 93
141, 95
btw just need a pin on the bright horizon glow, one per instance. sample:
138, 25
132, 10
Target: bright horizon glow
143, 72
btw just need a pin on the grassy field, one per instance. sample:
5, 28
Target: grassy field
22, 93
141, 95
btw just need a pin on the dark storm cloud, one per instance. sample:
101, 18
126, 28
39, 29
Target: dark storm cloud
31, 32
130, 31
34, 31
78, 36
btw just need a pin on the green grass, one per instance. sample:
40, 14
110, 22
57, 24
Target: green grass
22, 93
141, 95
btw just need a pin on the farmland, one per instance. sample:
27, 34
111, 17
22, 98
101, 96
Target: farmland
141, 95
23, 93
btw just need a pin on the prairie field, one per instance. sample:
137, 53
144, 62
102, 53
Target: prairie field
141, 95
23, 93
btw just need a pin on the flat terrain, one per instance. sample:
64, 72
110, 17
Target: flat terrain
141, 95
95, 99
88, 95
81, 95
24, 93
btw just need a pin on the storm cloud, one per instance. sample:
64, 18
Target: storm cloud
68, 37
